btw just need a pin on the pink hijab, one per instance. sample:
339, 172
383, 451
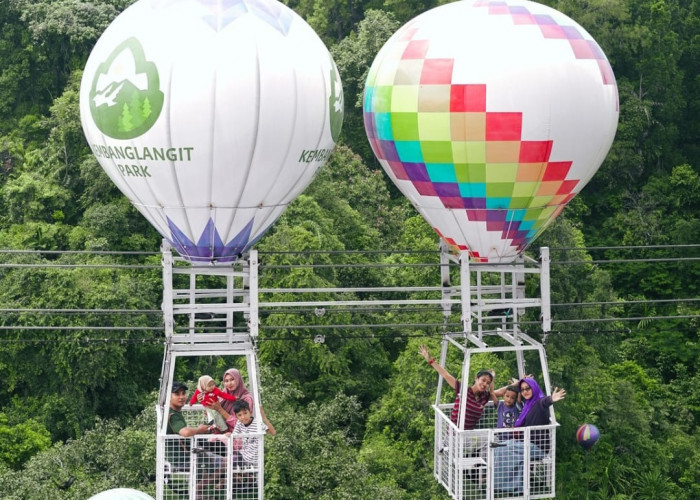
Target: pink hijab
241, 392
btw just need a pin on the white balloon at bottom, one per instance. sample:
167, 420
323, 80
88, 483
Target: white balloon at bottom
121, 494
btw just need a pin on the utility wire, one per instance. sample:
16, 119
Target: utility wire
437, 333
626, 302
82, 311
77, 252
80, 266
630, 247
330, 252
346, 266
368, 308
623, 261
186, 330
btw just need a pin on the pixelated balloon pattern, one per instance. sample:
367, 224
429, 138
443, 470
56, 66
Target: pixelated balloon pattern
441, 136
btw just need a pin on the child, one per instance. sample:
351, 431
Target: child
248, 447
207, 387
509, 408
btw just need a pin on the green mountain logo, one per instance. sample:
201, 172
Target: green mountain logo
336, 103
125, 97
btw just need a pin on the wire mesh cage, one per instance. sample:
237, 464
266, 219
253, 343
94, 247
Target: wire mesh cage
490, 463
211, 467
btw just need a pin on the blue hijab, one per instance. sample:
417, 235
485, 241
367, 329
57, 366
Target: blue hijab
529, 403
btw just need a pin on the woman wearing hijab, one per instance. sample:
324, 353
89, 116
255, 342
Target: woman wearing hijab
509, 456
234, 386
536, 411
536, 408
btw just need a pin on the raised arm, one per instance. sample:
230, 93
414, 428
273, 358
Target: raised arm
225, 395
451, 381
270, 428
558, 394
500, 392
193, 399
495, 394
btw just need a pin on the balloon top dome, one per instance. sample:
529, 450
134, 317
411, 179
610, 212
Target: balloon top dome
211, 117
121, 494
490, 116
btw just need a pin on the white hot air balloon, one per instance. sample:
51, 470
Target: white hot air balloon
490, 116
121, 494
211, 117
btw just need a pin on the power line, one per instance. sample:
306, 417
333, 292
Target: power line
344, 266
345, 252
80, 266
373, 326
624, 261
368, 308
626, 302
78, 252
79, 328
638, 318
300, 338
82, 341
333, 252
81, 311
630, 247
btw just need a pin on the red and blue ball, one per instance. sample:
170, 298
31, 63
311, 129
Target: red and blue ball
587, 435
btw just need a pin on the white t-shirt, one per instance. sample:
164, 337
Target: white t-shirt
249, 445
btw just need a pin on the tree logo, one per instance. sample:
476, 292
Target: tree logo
125, 98
336, 103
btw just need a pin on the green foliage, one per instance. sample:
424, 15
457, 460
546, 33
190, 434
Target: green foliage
352, 410
314, 454
108, 456
32, 198
20, 442
332, 19
354, 55
63, 376
354, 195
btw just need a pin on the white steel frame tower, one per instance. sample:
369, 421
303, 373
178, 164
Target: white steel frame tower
203, 321
493, 301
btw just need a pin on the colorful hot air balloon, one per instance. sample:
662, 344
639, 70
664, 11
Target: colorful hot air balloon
211, 116
587, 435
490, 116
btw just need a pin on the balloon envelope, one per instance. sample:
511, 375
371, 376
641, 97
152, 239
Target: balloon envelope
587, 435
121, 494
490, 116
211, 116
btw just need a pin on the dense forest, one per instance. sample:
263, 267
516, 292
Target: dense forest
353, 413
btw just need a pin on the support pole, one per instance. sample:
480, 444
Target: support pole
465, 282
545, 290
445, 280
168, 323
253, 320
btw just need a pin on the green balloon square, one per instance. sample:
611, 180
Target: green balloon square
437, 151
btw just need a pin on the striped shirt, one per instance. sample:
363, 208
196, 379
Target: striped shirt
474, 407
249, 445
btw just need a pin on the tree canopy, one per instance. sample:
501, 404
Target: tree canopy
76, 405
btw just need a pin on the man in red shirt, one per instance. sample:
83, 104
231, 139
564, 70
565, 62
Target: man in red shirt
477, 395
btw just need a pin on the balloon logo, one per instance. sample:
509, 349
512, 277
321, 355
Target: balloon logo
490, 116
211, 117
125, 97
336, 103
587, 435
